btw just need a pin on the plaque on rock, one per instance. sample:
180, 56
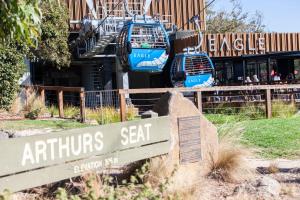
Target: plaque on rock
189, 139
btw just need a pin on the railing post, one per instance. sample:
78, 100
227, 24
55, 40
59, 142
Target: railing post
82, 106
268, 104
199, 101
122, 106
60, 95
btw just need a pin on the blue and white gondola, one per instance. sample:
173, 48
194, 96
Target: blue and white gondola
143, 45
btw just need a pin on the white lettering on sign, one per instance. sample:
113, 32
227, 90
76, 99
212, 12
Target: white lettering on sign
58, 148
224, 43
141, 55
135, 134
237, 44
95, 165
212, 45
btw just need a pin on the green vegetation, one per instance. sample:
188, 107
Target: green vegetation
108, 115
36, 124
11, 69
53, 41
19, 21
273, 138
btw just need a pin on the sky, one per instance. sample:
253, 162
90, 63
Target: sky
279, 15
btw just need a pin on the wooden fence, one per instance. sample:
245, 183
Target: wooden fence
42, 159
60, 96
198, 93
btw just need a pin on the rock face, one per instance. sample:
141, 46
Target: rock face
176, 105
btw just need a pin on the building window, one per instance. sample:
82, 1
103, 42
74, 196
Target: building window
224, 72
263, 71
297, 69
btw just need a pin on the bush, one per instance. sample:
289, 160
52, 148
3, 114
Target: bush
108, 115
53, 110
11, 69
283, 110
35, 107
71, 112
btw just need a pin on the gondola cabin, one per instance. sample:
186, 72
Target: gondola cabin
143, 46
192, 70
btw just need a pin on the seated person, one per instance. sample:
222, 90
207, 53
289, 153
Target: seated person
276, 77
255, 79
134, 44
248, 80
145, 44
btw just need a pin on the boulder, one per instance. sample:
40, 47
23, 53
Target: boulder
176, 106
268, 186
4, 135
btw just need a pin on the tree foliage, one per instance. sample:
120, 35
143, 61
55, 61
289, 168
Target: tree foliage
53, 43
41, 25
19, 21
235, 20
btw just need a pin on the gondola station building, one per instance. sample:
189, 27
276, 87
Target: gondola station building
102, 41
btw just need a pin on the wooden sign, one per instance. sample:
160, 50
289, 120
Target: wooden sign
237, 44
42, 159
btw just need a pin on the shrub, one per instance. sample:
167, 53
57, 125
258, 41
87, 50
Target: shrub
35, 107
71, 112
252, 111
11, 69
108, 115
283, 110
230, 165
53, 110
103, 115
93, 186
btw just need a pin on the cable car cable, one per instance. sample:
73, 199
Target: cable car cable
209, 4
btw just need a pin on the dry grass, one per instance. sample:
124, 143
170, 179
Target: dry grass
289, 190
16, 106
230, 165
34, 107
273, 168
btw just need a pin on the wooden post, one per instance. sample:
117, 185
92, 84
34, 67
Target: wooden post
42, 94
122, 107
199, 101
268, 104
292, 98
60, 95
82, 106
26, 95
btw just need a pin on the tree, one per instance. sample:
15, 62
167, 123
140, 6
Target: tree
53, 43
235, 20
19, 21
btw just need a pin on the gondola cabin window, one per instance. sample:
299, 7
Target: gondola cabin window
197, 65
145, 37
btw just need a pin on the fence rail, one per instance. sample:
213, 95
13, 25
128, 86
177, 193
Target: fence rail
208, 100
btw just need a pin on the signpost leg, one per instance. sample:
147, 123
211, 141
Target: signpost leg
199, 101
122, 107
82, 107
